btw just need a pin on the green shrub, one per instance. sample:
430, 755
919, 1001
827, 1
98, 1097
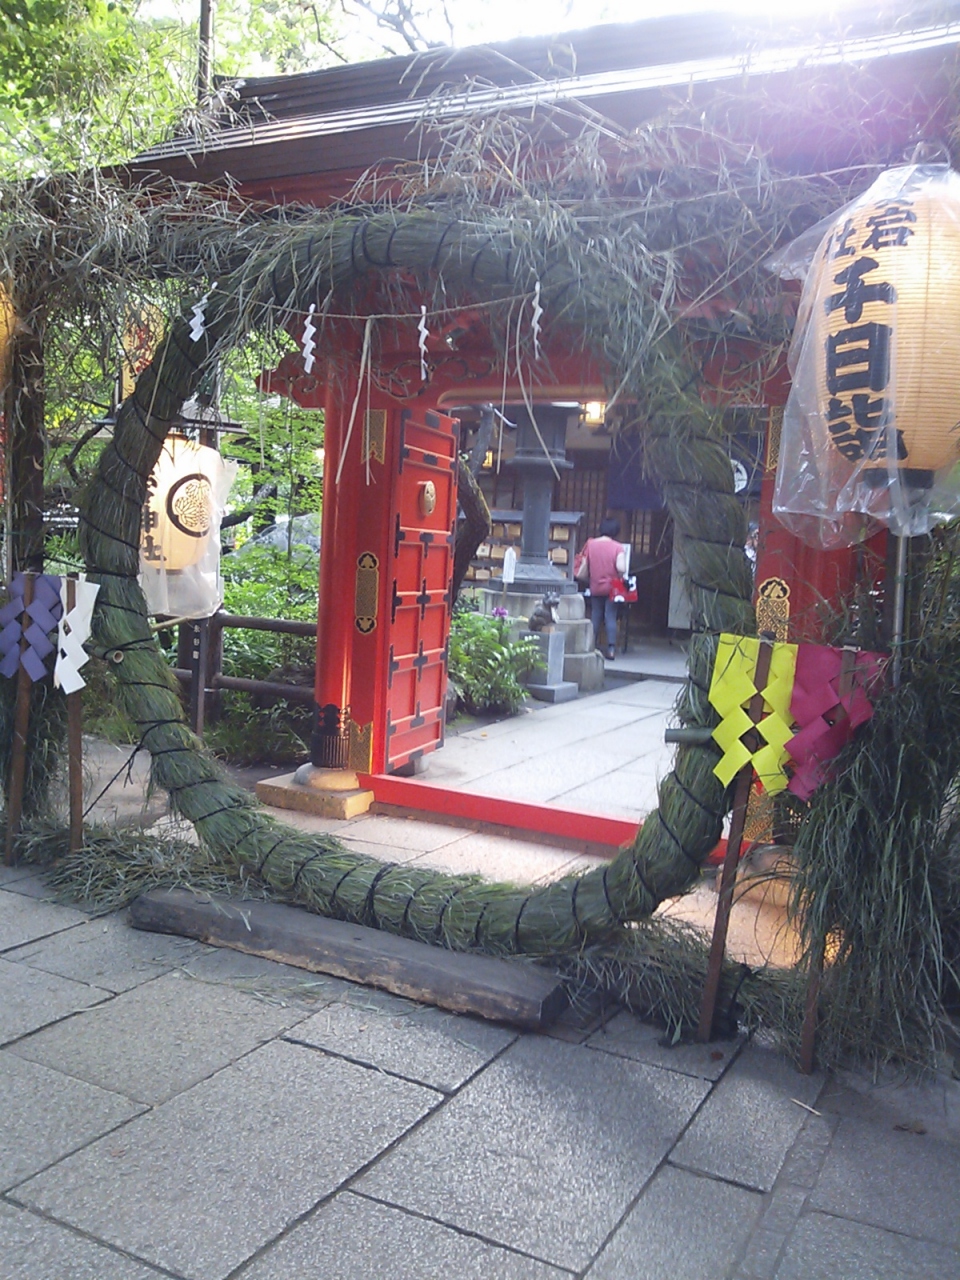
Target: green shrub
486, 666
266, 582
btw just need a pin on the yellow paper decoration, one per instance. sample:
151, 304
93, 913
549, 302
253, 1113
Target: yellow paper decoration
732, 688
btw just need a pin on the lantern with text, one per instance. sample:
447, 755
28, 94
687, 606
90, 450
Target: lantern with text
180, 540
871, 424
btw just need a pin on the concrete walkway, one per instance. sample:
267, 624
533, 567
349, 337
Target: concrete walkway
603, 753
171, 1110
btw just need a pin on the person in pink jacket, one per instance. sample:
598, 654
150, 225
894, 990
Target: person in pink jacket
605, 561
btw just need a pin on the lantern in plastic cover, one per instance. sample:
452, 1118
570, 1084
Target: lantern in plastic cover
180, 540
872, 424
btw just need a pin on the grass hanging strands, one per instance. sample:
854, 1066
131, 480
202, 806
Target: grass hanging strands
878, 873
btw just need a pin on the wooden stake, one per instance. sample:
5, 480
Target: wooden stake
18, 748
75, 748
731, 860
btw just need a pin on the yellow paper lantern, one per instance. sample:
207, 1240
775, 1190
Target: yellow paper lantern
180, 507
885, 307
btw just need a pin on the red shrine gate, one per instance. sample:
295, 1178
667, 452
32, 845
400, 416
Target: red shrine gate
388, 542
385, 578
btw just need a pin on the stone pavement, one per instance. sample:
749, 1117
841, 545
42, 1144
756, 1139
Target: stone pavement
173, 1110
603, 753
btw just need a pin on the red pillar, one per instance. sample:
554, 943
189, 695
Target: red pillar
329, 747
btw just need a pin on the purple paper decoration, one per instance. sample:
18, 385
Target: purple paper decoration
42, 617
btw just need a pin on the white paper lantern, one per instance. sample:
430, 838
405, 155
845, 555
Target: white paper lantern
181, 507
871, 430
886, 309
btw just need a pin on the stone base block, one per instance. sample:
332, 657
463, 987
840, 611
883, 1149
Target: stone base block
285, 793
577, 635
585, 669
565, 691
572, 608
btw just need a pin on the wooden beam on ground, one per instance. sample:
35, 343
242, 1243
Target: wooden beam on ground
513, 991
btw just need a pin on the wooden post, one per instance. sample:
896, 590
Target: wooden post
199, 633
731, 860
18, 748
75, 748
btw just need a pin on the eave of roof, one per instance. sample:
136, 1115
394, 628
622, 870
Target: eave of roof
624, 63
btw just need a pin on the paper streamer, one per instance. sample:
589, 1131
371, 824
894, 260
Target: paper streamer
32, 625
198, 322
74, 631
535, 320
424, 333
309, 346
732, 688
826, 718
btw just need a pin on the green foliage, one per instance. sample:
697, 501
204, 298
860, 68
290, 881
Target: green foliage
266, 582
281, 472
486, 666
248, 734
90, 82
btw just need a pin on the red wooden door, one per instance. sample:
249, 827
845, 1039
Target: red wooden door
425, 508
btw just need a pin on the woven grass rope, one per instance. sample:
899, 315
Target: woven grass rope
687, 457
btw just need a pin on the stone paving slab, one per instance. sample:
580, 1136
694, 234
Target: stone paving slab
640, 738
108, 953
659, 695
9, 875
23, 919
46, 1115
750, 1121
900, 1181
31, 884
266, 978
425, 1045
353, 1238
500, 858
382, 851
405, 834
825, 1248
203, 1182
535, 1152
656, 1241
627, 1037
164, 1037
34, 1249
622, 794
889, 1099
30, 998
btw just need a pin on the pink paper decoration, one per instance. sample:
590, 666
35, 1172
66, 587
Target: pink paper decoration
827, 708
